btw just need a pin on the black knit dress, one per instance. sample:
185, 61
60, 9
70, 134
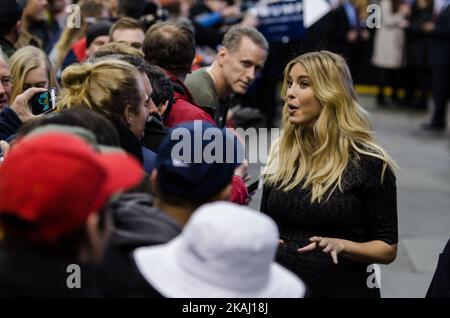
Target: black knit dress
365, 210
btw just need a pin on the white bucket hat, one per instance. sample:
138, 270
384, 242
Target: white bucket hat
224, 251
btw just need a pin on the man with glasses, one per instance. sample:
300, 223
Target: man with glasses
5, 83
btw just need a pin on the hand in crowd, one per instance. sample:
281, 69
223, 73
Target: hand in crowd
249, 20
242, 170
365, 35
405, 9
20, 104
332, 246
404, 24
422, 4
4, 148
428, 26
230, 115
352, 36
231, 12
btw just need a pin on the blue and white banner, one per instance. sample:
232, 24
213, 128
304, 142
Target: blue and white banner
283, 20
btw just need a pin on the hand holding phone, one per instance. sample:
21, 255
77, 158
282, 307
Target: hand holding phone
20, 105
43, 102
252, 187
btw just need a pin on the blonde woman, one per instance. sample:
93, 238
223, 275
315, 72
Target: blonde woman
329, 186
30, 67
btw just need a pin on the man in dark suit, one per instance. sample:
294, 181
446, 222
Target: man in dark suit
345, 32
440, 63
440, 285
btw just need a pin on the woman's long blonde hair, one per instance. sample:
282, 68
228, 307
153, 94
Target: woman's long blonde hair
317, 155
24, 60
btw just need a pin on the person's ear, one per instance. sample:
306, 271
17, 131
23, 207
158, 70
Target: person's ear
95, 238
92, 223
4, 148
162, 109
154, 181
222, 55
127, 115
18, 28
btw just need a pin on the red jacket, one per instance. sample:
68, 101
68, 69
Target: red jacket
79, 48
239, 193
184, 109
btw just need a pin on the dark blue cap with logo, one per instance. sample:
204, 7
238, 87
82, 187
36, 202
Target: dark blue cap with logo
197, 160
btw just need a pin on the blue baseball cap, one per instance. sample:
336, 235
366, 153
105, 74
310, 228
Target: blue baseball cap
196, 160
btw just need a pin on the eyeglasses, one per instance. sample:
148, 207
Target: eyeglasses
6, 80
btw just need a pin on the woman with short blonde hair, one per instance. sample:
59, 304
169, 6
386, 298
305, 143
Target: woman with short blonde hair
328, 184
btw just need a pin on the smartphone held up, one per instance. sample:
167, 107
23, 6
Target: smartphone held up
251, 188
42, 103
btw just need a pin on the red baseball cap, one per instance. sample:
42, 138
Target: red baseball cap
56, 180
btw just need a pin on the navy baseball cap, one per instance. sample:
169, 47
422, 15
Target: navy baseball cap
196, 160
